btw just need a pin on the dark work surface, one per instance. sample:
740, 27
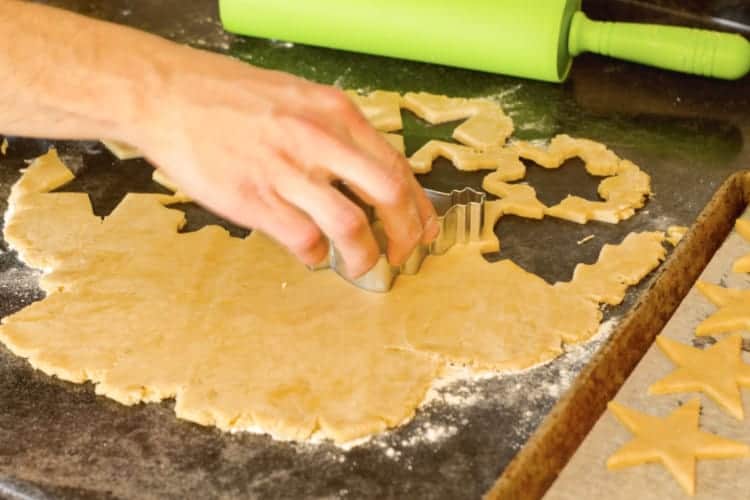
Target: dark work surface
59, 440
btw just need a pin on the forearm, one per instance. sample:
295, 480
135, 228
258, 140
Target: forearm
67, 76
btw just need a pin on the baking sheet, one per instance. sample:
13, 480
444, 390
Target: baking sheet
59, 439
729, 478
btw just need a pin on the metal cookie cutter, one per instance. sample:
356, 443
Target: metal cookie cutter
460, 217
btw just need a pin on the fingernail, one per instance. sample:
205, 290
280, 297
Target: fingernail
319, 253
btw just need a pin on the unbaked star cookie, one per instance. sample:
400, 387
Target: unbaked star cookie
734, 309
717, 371
675, 441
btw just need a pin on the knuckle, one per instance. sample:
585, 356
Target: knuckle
304, 240
398, 190
351, 223
335, 99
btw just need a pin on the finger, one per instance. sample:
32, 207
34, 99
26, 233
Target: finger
339, 218
295, 230
383, 186
372, 141
265, 210
427, 214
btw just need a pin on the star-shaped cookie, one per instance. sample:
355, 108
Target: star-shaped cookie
743, 265
675, 441
734, 309
717, 371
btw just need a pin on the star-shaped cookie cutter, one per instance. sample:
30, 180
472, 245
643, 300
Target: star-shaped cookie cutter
460, 218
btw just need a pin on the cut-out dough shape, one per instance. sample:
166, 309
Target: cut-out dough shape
675, 441
718, 371
381, 108
734, 309
241, 334
743, 264
121, 150
486, 127
468, 159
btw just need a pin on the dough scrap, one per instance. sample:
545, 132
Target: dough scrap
625, 189
161, 178
734, 309
599, 160
675, 441
623, 193
618, 267
675, 234
516, 199
468, 159
397, 141
487, 125
121, 150
743, 264
262, 341
4, 146
381, 108
718, 371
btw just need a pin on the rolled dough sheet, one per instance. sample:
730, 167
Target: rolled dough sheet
243, 336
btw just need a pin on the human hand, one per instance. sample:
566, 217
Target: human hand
262, 149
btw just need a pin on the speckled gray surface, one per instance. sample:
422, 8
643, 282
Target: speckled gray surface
58, 440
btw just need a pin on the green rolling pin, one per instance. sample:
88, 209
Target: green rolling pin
533, 39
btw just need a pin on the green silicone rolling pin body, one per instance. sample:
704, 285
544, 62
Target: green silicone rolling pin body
532, 39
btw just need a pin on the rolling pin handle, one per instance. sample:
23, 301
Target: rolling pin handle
688, 50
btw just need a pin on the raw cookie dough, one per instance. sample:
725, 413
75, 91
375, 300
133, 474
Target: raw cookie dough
599, 160
618, 267
381, 108
397, 141
675, 441
468, 159
161, 178
244, 336
486, 127
121, 150
718, 371
734, 309
624, 190
743, 228
515, 199
675, 234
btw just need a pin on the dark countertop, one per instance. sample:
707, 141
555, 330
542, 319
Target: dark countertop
60, 440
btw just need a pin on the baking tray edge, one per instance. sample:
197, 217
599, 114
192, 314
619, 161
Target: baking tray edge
535, 467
